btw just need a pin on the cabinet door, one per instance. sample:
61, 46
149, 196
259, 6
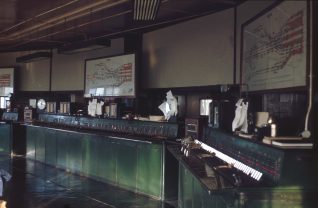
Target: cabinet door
30, 142
126, 164
5, 138
50, 147
40, 135
74, 152
90, 155
185, 187
62, 148
35, 137
149, 172
107, 160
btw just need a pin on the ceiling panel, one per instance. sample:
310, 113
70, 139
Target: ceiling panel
34, 24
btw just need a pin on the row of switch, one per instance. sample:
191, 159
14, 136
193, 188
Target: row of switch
231, 161
160, 129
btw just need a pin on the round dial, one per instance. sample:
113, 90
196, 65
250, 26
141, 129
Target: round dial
41, 104
8, 104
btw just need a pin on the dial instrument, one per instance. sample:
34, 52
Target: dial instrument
41, 104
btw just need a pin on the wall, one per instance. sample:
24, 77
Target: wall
194, 53
67, 70
191, 53
170, 51
35, 75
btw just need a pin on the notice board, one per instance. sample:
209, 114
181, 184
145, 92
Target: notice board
274, 51
110, 76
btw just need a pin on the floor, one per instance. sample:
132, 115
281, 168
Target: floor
37, 185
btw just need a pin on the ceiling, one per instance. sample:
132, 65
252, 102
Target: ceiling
45, 24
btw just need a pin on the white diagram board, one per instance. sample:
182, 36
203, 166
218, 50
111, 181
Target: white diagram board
110, 76
6, 81
274, 48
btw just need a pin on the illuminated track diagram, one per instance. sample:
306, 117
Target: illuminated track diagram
269, 49
115, 76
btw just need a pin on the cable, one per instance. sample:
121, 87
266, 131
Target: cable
306, 133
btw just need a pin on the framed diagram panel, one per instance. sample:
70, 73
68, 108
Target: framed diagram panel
110, 76
274, 47
6, 81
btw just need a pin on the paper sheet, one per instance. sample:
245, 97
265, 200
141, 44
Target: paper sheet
99, 107
169, 107
240, 119
92, 105
164, 107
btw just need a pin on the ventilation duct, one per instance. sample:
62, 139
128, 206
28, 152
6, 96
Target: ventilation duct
145, 10
83, 46
37, 56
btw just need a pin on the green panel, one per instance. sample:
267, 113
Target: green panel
107, 160
50, 147
5, 138
62, 148
283, 203
40, 134
185, 188
149, 172
127, 164
214, 200
171, 175
90, 155
192, 194
30, 142
74, 153
197, 194
207, 200
121, 162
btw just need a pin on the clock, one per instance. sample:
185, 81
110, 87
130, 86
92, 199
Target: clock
41, 104
8, 104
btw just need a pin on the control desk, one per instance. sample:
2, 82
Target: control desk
245, 172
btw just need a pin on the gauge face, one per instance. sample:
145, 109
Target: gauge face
41, 104
8, 103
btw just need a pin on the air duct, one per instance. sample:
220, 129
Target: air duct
146, 10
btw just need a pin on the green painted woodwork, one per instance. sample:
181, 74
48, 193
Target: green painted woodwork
147, 172
185, 187
5, 138
107, 157
126, 164
131, 164
31, 135
40, 146
193, 195
50, 147
90, 146
61, 148
74, 160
